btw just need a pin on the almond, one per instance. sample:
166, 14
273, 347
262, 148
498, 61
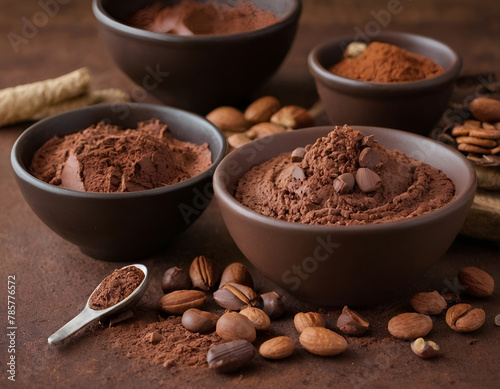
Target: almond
464, 318
428, 303
322, 341
410, 325
310, 319
238, 140
261, 130
485, 109
228, 119
258, 317
293, 116
476, 282
262, 109
179, 301
277, 348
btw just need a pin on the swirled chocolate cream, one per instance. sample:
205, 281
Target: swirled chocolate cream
345, 178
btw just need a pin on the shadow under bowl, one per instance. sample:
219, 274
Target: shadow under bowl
414, 106
355, 265
118, 226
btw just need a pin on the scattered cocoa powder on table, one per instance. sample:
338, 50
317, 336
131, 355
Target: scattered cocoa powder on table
175, 348
382, 62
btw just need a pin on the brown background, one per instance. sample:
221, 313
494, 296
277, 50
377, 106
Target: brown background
54, 279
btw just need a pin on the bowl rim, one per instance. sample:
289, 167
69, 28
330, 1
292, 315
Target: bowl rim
106, 19
222, 193
319, 71
22, 173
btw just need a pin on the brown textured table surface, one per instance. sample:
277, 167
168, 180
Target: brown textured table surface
53, 279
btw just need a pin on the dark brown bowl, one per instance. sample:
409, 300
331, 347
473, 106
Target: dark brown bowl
344, 265
197, 72
412, 106
118, 226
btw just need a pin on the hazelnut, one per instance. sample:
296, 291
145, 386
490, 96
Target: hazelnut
175, 278
272, 304
351, 323
424, 349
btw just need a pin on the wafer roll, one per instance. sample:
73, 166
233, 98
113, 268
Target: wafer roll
111, 95
24, 102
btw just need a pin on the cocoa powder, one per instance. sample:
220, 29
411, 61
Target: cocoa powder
202, 18
116, 287
382, 62
177, 348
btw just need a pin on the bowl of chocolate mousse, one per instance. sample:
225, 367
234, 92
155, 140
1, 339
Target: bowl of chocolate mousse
393, 80
119, 181
198, 55
344, 215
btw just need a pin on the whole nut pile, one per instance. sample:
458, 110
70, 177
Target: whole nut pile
265, 116
247, 315
479, 138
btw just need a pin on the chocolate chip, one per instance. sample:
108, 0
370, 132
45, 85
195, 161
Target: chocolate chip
298, 154
367, 180
230, 356
368, 141
369, 158
298, 173
344, 183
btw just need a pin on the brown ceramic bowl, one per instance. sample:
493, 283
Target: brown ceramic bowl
412, 106
118, 226
338, 265
197, 72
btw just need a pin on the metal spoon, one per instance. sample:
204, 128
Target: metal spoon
89, 315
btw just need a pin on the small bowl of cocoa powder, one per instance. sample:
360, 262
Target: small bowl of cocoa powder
396, 80
120, 181
195, 54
